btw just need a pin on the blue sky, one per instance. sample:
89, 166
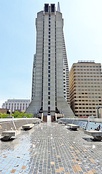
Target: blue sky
82, 31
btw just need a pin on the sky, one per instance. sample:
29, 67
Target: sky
82, 32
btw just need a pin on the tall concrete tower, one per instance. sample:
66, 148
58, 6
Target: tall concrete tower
50, 78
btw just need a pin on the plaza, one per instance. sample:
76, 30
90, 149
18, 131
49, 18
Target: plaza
51, 148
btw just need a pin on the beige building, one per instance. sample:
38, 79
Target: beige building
85, 82
3, 110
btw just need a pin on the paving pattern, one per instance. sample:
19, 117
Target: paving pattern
51, 149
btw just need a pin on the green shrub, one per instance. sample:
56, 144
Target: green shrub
16, 114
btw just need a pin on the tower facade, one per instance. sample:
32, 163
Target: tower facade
50, 81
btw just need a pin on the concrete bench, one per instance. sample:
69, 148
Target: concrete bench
8, 134
97, 135
73, 126
28, 126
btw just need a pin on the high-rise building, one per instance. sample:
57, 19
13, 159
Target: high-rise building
50, 77
85, 79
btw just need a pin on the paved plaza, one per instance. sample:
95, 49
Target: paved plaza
51, 149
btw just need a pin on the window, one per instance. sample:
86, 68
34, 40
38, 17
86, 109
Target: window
48, 102
49, 109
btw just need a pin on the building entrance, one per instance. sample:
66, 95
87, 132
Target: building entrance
48, 118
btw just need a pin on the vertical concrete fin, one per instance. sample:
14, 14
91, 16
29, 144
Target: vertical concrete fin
58, 7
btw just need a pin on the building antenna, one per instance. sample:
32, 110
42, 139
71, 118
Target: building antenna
58, 7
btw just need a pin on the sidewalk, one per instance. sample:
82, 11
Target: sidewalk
51, 149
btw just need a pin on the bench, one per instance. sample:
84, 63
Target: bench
73, 126
97, 135
8, 134
28, 126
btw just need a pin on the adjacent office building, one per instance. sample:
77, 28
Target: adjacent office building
50, 77
16, 105
85, 79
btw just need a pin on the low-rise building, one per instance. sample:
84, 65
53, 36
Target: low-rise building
16, 104
2, 110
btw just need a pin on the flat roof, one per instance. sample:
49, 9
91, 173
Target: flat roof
51, 149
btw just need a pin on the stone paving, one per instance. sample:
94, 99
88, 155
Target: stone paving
51, 149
